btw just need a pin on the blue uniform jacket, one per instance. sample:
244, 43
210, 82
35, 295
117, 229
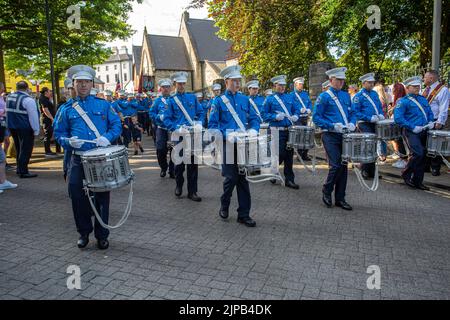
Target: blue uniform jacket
69, 123
221, 118
408, 115
259, 101
362, 106
326, 112
272, 108
305, 98
157, 110
174, 117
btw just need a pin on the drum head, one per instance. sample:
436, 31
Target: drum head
386, 121
103, 151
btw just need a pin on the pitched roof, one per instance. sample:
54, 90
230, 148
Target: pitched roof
169, 53
119, 57
137, 50
209, 46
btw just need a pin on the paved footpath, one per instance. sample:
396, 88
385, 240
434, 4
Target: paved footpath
177, 249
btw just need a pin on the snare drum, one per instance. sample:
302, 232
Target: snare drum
438, 143
359, 147
253, 154
301, 137
388, 130
106, 168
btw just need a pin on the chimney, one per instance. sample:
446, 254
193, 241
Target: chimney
186, 16
114, 50
123, 50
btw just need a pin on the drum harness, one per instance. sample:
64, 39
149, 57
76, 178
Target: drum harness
358, 173
127, 212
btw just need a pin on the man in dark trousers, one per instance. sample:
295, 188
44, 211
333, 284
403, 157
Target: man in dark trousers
23, 122
48, 113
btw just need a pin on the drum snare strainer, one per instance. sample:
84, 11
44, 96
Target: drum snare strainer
106, 169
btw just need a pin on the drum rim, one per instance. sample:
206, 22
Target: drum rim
90, 154
441, 133
361, 135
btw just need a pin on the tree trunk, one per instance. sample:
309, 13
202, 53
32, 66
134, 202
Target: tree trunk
364, 49
56, 89
2, 65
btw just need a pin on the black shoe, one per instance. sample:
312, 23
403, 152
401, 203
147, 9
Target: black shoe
344, 205
83, 242
327, 199
142, 149
103, 244
292, 185
162, 174
50, 154
435, 173
135, 153
422, 187
194, 197
408, 181
306, 158
223, 213
178, 191
28, 175
172, 175
273, 181
249, 222
365, 175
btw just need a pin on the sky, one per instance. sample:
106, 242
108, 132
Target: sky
160, 16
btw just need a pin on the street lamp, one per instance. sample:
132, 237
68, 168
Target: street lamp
50, 50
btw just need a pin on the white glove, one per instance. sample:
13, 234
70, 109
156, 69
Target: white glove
161, 117
430, 125
381, 117
303, 110
308, 111
102, 142
231, 137
374, 119
294, 118
338, 127
198, 125
182, 130
252, 132
417, 129
351, 127
280, 116
75, 143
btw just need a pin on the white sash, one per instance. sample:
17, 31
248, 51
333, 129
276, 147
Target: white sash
339, 105
180, 105
164, 101
283, 106
420, 107
371, 102
86, 118
256, 108
233, 112
300, 99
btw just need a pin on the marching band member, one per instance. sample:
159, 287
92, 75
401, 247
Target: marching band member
334, 114
281, 113
142, 112
230, 113
325, 85
438, 96
255, 99
86, 118
414, 115
162, 135
369, 111
301, 98
183, 110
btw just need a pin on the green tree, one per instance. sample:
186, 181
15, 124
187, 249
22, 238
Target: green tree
23, 34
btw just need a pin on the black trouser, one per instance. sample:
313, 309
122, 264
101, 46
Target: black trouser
192, 175
24, 143
367, 127
303, 121
162, 137
144, 121
48, 134
286, 156
416, 163
233, 179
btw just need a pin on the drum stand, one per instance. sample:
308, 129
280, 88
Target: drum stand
125, 215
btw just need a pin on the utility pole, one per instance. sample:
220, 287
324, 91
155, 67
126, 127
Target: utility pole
437, 15
50, 51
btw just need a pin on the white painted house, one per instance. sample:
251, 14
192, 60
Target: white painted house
117, 69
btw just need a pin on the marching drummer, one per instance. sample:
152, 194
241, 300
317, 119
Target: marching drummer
334, 114
414, 115
281, 113
301, 98
184, 110
255, 99
369, 111
232, 113
162, 135
86, 117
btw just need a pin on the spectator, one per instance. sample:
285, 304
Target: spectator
4, 132
48, 112
23, 122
